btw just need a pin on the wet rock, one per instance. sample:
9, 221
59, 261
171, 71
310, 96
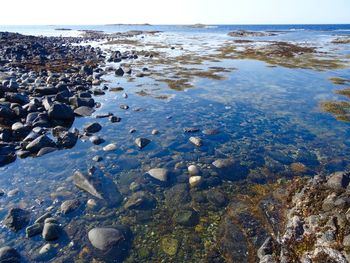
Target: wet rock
338, 180
140, 200
160, 174
39, 143
99, 186
196, 141
34, 230
232, 242
110, 147
155, 132
186, 217
45, 150
70, 206
112, 243
9, 255
7, 158
45, 249
96, 140
92, 127
193, 170
119, 72
60, 111
132, 130
51, 231
177, 196
97, 158
16, 219
142, 142
216, 198
195, 181
211, 132
114, 119
84, 111
170, 246
230, 169
190, 129
42, 218
67, 139
124, 106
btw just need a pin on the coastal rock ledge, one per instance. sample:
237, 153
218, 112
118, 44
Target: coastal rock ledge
310, 222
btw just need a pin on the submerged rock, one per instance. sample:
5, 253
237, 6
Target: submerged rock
51, 231
70, 206
92, 127
112, 243
110, 147
160, 174
140, 200
186, 217
170, 246
84, 111
16, 219
195, 180
196, 141
9, 255
142, 142
99, 186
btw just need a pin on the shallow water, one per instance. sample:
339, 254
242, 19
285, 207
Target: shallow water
268, 118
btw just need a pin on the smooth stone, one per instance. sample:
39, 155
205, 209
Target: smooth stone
223, 163
42, 218
110, 147
91, 203
39, 143
119, 72
51, 231
160, 174
211, 132
67, 139
45, 249
190, 129
113, 242
196, 141
9, 255
155, 132
69, 206
139, 200
16, 219
97, 158
193, 170
124, 106
92, 127
84, 111
195, 180
34, 230
114, 119
96, 140
142, 142
45, 150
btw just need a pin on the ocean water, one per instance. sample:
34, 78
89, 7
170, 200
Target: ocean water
267, 118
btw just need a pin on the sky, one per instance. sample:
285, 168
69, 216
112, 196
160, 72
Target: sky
66, 12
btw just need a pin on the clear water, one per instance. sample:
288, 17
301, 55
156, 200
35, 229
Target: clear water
262, 113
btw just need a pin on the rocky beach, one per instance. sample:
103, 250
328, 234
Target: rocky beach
175, 144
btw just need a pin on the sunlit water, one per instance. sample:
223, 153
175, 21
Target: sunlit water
268, 118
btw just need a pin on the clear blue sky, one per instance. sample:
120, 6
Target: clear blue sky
175, 11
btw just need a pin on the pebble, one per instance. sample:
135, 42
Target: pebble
196, 141
193, 170
160, 174
155, 132
195, 180
142, 142
110, 147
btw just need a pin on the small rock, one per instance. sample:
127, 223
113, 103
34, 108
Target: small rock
45, 249
193, 170
40, 142
191, 129
51, 231
9, 255
196, 141
216, 197
69, 206
132, 130
97, 158
142, 142
119, 72
195, 180
34, 230
110, 147
92, 127
211, 132
96, 140
170, 246
338, 180
160, 174
124, 106
155, 132
186, 217
84, 111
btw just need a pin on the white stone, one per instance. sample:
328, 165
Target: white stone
110, 147
194, 180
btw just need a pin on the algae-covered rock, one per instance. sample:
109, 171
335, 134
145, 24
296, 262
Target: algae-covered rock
170, 245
